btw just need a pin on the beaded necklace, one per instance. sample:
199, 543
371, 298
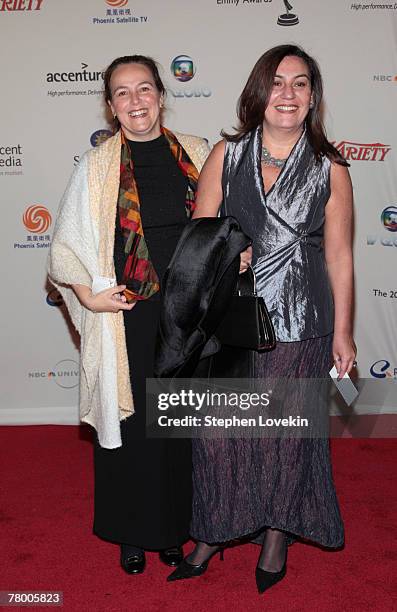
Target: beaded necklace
269, 160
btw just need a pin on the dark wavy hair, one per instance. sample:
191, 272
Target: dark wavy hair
131, 59
256, 94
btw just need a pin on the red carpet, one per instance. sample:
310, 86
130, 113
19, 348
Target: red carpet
46, 509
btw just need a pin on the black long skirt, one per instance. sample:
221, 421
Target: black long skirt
241, 486
143, 489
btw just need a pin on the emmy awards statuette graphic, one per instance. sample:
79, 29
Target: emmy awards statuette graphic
287, 19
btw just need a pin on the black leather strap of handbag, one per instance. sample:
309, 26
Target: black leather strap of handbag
247, 323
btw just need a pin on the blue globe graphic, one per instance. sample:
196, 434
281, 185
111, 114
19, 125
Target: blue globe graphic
389, 218
183, 68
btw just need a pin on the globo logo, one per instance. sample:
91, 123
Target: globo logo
183, 68
389, 218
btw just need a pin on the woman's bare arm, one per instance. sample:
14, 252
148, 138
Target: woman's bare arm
209, 194
339, 258
209, 191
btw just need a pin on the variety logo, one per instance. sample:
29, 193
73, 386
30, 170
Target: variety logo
20, 5
388, 219
37, 219
99, 137
10, 159
182, 67
65, 374
288, 18
354, 151
383, 369
54, 298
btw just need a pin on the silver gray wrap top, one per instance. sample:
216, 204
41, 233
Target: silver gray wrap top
287, 229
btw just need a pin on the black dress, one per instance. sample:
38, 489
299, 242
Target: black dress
143, 488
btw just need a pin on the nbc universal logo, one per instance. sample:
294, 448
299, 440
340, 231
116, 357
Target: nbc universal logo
385, 78
11, 160
183, 69
37, 220
117, 12
65, 374
388, 219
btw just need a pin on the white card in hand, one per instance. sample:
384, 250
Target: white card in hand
100, 283
345, 386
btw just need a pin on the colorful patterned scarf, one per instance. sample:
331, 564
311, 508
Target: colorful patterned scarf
139, 275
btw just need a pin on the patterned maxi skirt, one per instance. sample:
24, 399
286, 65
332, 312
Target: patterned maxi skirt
241, 486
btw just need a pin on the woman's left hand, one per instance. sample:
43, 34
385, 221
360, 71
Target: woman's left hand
344, 351
245, 259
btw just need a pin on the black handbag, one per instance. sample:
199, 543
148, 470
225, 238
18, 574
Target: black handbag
247, 323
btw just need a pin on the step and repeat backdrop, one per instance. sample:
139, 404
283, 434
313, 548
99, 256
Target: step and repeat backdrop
53, 57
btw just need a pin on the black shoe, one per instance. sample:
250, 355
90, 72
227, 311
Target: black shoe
172, 556
187, 570
265, 580
132, 562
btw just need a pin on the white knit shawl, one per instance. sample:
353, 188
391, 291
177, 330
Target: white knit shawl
82, 248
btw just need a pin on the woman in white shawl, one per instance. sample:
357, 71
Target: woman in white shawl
118, 224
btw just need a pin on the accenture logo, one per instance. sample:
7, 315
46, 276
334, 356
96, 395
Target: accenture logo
37, 219
80, 76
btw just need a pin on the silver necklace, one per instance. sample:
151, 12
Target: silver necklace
269, 160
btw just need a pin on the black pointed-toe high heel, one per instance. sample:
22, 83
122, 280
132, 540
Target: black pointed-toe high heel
265, 580
188, 570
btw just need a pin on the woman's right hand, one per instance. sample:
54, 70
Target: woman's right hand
245, 259
108, 300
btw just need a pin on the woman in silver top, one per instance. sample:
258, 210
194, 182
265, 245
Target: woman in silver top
291, 192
